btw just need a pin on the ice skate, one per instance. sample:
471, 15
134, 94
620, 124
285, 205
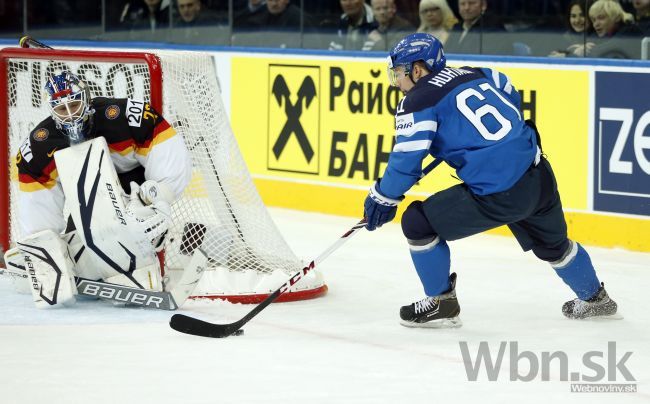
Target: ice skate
598, 306
434, 311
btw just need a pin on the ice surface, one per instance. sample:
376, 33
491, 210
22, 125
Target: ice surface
344, 348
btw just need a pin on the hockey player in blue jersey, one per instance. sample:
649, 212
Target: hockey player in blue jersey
471, 119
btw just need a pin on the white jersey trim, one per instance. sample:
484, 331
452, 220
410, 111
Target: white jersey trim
425, 247
418, 127
412, 146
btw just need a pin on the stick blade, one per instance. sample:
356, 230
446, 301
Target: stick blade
194, 326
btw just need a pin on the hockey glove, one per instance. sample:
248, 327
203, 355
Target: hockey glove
379, 209
154, 220
152, 191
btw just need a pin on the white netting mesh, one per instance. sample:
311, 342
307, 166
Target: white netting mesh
220, 211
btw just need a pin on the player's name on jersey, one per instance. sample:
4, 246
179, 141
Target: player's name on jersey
446, 75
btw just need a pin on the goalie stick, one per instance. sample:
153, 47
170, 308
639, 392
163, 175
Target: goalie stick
166, 300
194, 326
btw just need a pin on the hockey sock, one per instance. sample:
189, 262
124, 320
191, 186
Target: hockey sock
577, 271
432, 262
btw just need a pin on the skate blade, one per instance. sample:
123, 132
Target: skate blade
615, 316
453, 322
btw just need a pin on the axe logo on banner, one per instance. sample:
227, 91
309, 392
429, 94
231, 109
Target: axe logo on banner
294, 116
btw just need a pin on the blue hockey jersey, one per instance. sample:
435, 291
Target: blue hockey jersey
470, 118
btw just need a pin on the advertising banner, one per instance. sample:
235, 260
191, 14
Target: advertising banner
317, 131
331, 122
622, 143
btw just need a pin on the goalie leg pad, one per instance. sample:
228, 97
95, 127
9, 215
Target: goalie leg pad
14, 261
50, 269
147, 276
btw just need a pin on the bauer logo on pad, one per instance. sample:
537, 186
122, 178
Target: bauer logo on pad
294, 115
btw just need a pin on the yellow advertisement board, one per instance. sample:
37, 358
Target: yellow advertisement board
316, 133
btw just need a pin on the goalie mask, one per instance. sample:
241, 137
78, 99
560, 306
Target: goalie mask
69, 102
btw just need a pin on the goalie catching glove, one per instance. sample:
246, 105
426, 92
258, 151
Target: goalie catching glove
150, 207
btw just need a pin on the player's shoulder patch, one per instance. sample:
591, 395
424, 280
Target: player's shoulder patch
112, 112
41, 143
40, 134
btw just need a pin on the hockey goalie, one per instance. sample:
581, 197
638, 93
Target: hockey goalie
96, 182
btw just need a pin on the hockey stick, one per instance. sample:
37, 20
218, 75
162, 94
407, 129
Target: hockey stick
29, 42
194, 326
165, 300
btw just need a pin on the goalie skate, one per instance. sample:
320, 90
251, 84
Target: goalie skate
434, 311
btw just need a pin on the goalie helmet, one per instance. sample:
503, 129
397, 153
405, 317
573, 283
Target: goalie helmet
413, 48
69, 102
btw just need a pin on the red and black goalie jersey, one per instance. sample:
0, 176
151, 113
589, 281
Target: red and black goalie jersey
136, 134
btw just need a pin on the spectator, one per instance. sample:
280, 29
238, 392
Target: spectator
198, 25
253, 8
436, 18
642, 14
391, 28
280, 23
192, 13
579, 26
409, 10
146, 15
356, 22
614, 27
609, 19
275, 14
468, 35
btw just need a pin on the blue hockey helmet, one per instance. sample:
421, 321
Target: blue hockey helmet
413, 48
69, 102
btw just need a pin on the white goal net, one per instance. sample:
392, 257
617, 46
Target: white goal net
220, 211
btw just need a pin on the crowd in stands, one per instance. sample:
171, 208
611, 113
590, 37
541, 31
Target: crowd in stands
557, 28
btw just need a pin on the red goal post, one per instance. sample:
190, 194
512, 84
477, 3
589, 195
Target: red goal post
220, 211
